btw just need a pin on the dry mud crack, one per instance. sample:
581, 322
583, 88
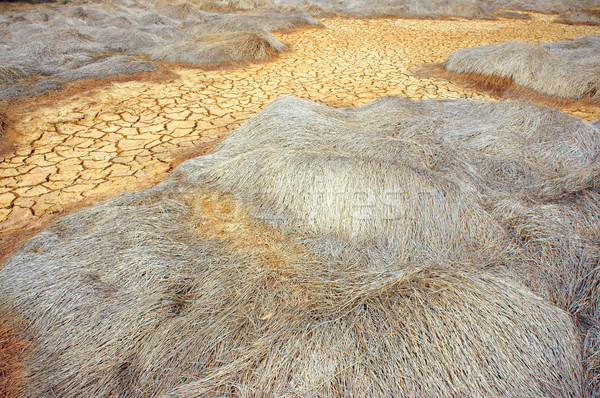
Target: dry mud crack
127, 136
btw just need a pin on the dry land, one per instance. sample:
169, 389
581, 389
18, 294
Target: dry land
79, 149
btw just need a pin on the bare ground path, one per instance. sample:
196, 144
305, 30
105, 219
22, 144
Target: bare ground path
127, 136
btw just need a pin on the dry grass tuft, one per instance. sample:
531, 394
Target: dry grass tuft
221, 47
512, 15
568, 69
543, 6
508, 185
499, 88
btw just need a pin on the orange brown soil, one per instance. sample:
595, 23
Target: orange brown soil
10, 367
222, 217
84, 147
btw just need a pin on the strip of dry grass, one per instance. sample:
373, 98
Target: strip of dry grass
567, 69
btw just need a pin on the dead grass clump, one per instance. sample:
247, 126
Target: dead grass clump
221, 47
417, 9
154, 18
512, 14
245, 5
181, 10
157, 293
259, 21
507, 150
115, 65
567, 69
584, 16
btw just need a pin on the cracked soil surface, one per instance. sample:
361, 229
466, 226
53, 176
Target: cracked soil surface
126, 136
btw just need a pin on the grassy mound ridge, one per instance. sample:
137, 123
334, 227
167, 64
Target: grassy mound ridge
373, 251
152, 295
567, 69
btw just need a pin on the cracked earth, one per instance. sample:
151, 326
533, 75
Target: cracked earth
126, 136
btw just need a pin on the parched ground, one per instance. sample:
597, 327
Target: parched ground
89, 146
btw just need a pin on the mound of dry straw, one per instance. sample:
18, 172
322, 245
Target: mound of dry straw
398, 249
568, 69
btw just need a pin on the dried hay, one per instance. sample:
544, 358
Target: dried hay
181, 10
512, 15
320, 252
115, 65
258, 21
565, 69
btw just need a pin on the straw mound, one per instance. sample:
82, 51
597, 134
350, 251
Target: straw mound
566, 69
153, 296
427, 153
373, 251
584, 16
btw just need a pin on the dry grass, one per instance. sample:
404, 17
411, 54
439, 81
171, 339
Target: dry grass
543, 6
589, 16
188, 295
481, 183
221, 47
373, 251
499, 88
565, 69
